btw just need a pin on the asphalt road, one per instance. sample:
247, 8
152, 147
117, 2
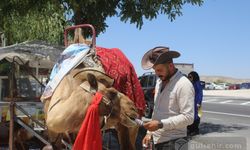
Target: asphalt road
225, 124
227, 110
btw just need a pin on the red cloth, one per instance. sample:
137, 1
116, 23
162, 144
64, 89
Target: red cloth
89, 136
117, 66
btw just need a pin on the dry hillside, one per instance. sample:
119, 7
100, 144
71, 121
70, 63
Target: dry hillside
223, 79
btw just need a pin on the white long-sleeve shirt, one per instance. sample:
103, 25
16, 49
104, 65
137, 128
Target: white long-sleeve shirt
174, 107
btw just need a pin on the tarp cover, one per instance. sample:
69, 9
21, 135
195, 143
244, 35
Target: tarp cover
35, 53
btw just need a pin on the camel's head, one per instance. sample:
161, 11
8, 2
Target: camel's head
122, 109
115, 106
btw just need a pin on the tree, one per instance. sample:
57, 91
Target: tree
55, 15
96, 11
31, 19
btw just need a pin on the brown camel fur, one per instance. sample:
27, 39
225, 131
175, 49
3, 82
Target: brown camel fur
67, 107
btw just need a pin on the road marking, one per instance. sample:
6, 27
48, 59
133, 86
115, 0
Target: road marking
243, 124
228, 102
216, 119
210, 100
222, 113
245, 103
224, 102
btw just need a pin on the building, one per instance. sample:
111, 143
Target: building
30, 63
185, 67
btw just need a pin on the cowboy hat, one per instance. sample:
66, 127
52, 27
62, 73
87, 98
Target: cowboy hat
97, 72
157, 55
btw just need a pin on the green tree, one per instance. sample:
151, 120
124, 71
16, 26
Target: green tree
29, 19
46, 19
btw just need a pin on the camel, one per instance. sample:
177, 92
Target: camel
66, 109
75, 102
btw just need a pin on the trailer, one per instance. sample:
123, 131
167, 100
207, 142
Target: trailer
24, 69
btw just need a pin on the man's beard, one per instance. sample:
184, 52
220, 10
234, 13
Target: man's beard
165, 78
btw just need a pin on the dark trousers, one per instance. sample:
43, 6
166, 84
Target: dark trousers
193, 129
141, 134
110, 139
176, 144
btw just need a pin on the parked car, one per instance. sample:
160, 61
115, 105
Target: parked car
221, 86
245, 85
148, 81
209, 86
234, 87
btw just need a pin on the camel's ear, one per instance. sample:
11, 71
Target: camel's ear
92, 81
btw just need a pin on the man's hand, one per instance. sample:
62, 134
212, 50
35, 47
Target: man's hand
152, 125
146, 140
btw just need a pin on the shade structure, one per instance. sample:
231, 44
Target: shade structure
33, 53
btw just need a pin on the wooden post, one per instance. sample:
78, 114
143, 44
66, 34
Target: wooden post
11, 126
11, 107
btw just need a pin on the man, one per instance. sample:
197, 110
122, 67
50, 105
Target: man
174, 100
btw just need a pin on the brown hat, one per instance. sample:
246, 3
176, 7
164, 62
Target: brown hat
157, 55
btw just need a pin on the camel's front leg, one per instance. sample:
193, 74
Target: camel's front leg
127, 137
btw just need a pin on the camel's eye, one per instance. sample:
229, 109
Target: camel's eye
112, 95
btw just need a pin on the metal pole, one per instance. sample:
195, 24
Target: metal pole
37, 73
11, 127
11, 107
80, 26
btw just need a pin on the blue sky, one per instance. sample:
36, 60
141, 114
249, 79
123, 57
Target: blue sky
214, 37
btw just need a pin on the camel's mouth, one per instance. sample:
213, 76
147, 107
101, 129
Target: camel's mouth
138, 121
128, 121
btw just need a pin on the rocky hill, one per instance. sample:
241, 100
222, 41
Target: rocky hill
223, 79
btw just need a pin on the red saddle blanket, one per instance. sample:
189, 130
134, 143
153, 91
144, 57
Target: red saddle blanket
117, 66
